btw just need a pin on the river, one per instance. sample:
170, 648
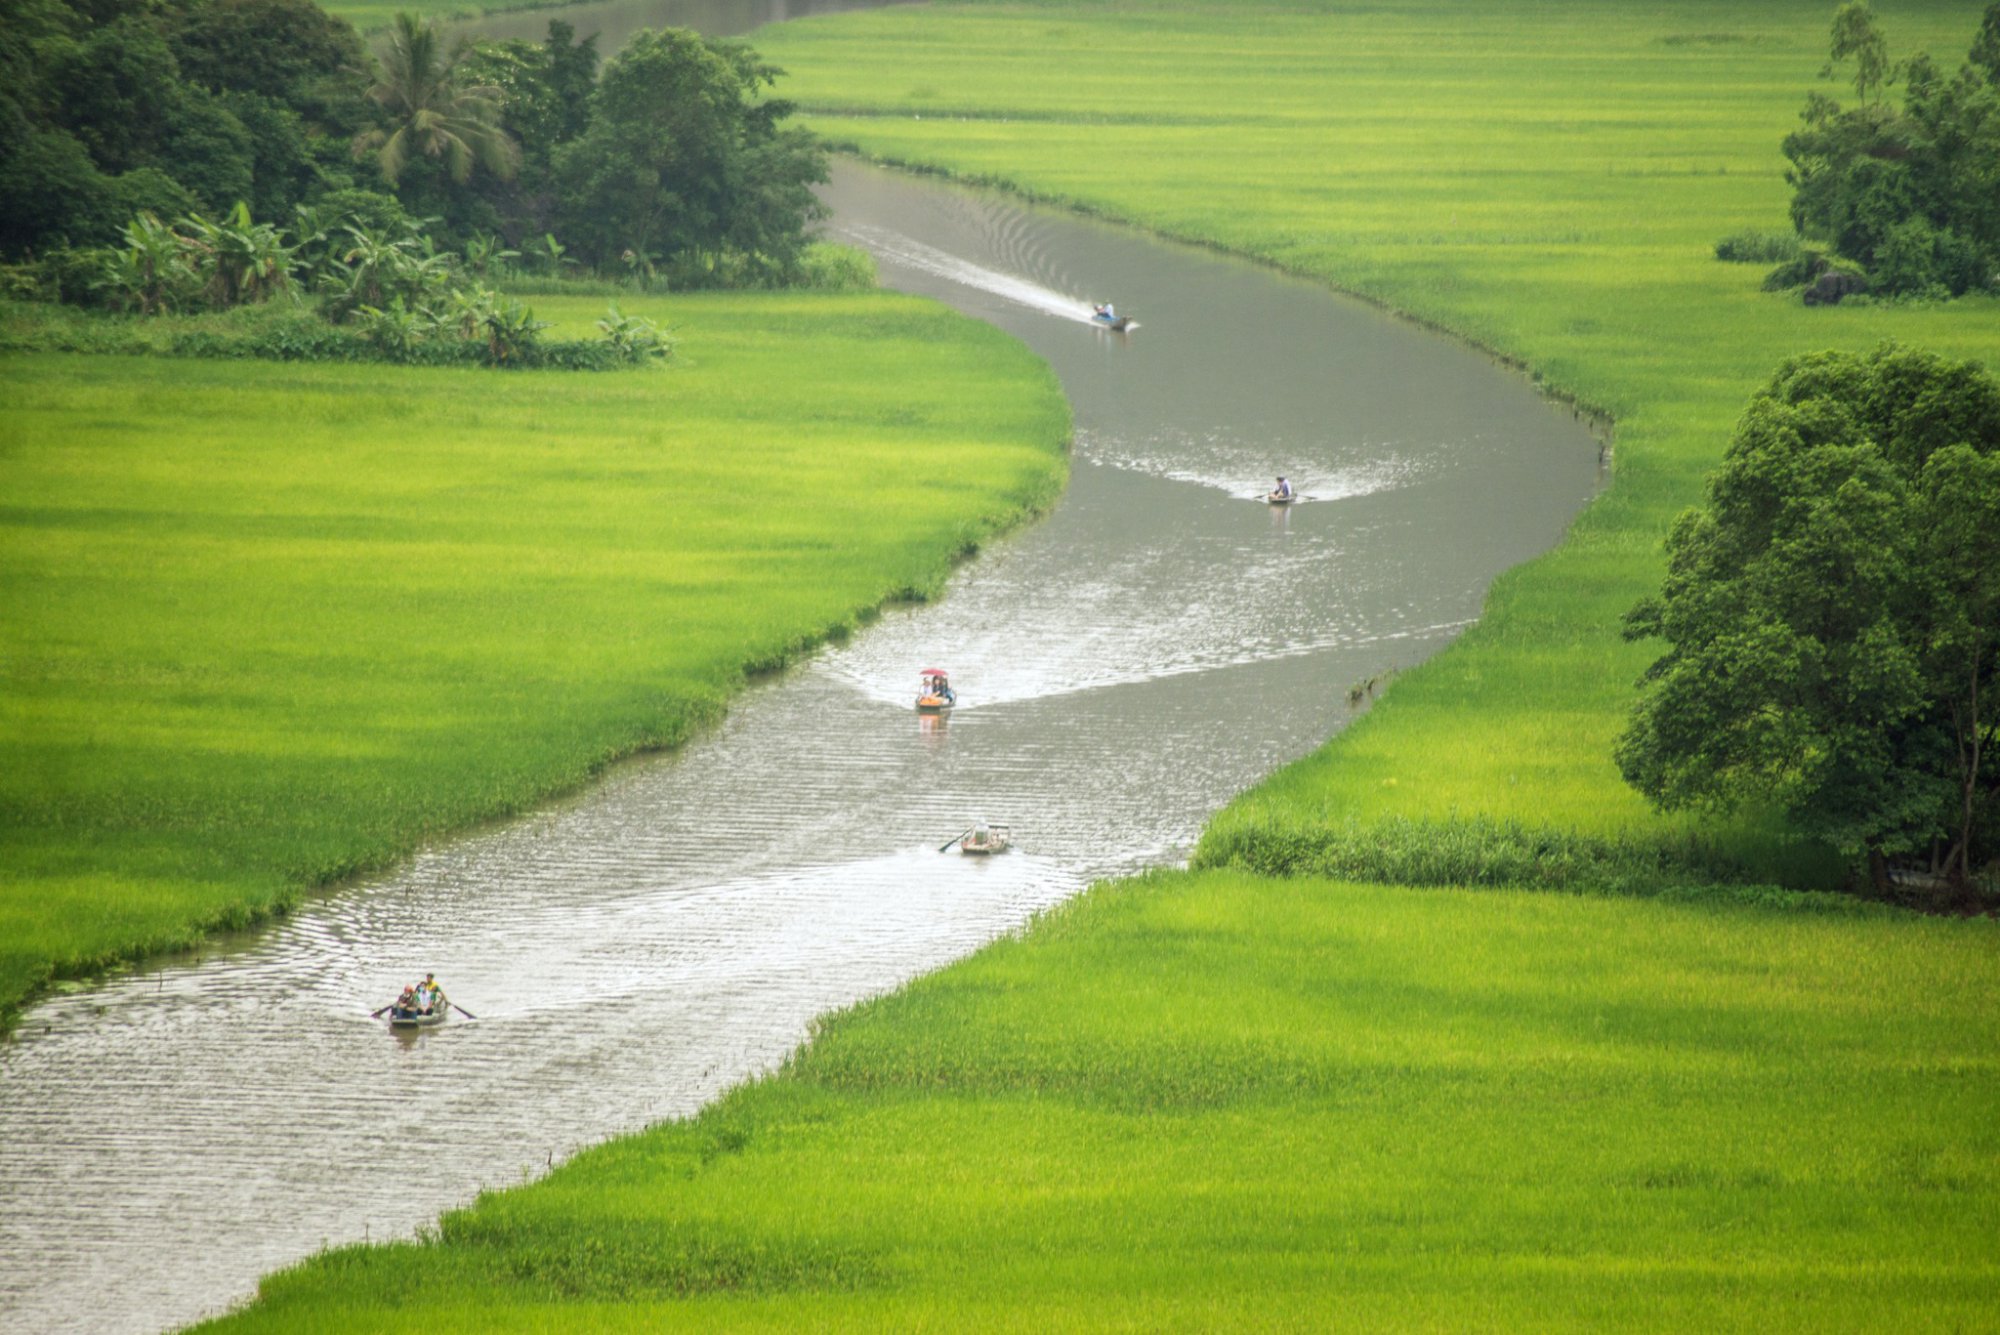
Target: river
1156, 644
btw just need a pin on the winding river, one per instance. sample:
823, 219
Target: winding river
1158, 643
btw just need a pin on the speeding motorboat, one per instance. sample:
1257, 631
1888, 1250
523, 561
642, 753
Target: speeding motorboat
935, 695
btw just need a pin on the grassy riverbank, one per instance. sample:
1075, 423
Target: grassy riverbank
1545, 180
1217, 1101
262, 625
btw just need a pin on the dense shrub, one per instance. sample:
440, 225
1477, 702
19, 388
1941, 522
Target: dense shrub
1757, 248
1911, 195
827, 266
1402, 851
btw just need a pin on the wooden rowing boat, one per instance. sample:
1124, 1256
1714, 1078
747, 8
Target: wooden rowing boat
982, 840
436, 1015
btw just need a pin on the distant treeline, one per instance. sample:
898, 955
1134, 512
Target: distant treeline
673, 163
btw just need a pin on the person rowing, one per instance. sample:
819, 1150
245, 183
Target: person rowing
1283, 491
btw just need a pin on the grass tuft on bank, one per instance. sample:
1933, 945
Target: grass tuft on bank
1547, 181
265, 626
1220, 1101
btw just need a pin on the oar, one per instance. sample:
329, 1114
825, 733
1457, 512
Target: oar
461, 1010
954, 839
378, 1014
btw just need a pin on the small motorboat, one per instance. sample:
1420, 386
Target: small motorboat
1104, 318
935, 695
983, 839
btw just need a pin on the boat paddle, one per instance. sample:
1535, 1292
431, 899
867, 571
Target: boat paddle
376, 1015
462, 1010
954, 839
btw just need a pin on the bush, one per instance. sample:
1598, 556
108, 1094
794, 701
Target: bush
1401, 851
1758, 248
1802, 268
1916, 259
826, 266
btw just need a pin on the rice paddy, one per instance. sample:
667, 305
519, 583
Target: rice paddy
263, 626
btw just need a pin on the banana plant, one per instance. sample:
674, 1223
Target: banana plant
155, 270
635, 338
243, 261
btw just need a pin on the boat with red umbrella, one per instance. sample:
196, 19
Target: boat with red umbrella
936, 694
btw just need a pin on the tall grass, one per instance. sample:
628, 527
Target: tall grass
1215, 1101
1548, 181
262, 626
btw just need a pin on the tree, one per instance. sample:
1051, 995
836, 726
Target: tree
1855, 36
1832, 617
1911, 195
431, 114
110, 107
683, 159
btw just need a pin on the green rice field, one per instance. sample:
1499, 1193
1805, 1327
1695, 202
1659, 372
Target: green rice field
1225, 1102
263, 626
1545, 180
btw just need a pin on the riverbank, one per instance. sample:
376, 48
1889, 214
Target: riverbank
269, 625
1548, 183
1220, 1101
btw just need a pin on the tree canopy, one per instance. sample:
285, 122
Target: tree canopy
683, 158
677, 160
115, 107
433, 111
1910, 196
1832, 615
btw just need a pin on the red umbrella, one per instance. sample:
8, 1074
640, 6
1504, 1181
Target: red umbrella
932, 672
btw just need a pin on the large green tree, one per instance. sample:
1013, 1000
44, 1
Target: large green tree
684, 159
1832, 615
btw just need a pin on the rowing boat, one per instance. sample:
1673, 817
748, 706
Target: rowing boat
401, 1017
984, 839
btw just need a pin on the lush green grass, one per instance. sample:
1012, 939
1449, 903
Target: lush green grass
1547, 180
263, 625
1218, 1101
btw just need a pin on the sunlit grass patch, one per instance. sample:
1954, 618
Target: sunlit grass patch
261, 626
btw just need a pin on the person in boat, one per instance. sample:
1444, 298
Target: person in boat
1283, 491
1104, 311
406, 1005
431, 994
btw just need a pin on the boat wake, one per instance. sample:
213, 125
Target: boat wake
894, 248
1230, 466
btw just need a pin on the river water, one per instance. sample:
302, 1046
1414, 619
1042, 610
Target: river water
1156, 644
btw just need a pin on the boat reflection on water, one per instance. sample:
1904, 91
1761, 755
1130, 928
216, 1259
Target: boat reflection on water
931, 726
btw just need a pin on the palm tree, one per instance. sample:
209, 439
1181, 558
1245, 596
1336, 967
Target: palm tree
431, 114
